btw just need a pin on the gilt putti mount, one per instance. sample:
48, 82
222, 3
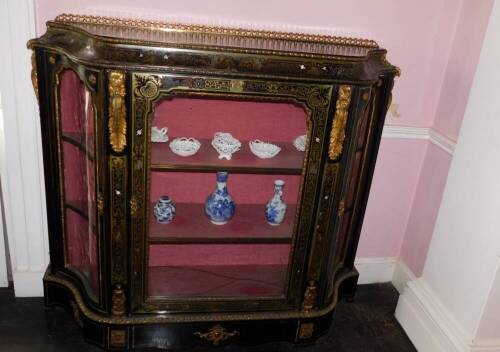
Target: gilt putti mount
103, 83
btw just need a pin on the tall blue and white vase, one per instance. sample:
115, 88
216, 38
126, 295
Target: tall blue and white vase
220, 206
164, 210
276, 208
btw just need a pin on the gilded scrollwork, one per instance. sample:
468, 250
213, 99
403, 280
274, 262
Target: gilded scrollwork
148, 86
216, 335
309, 297
306, 330
337, 134
100, 203
117, 122
319, 97
118, 300
134, 206
34, 74
118, 338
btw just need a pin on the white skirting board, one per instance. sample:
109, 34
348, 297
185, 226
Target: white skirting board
431, 327
28, 283
375, 270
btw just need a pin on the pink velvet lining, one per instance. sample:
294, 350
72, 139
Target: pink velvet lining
223, 269
245, 120
218, 254
248, 222
77, 123
184, 187
81, 247
217, 281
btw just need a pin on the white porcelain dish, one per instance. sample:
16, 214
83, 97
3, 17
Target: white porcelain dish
225, 144
263, 150
300, 143
184, 146
159, 135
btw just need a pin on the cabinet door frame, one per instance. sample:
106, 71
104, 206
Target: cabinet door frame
146, 88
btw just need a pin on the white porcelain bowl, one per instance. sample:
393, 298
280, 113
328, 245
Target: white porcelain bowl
185, 146
225, 144
300, 143
264, 150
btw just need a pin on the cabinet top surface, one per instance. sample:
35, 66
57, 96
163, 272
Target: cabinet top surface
116, 42
197, 35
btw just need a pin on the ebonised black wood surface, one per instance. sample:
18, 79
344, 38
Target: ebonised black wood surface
365, 325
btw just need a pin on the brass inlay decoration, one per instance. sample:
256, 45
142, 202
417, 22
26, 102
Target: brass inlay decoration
119, 300
322, 224
306, 330
92, 78
100, 203
117, 123
337, 134
34, 74
216, 335
223, 31
118, 210
76, 313
52, 59
341, 208
118, 338
201, 317
309, 297
134, 206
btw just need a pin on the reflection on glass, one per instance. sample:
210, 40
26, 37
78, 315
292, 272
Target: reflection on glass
247, 256
78, 145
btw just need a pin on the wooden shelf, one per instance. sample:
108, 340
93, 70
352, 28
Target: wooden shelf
248, 225
288, 162
80, 208
79, 141
217, 281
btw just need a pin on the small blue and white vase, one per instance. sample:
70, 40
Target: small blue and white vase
276, 208
164, 210
220, 206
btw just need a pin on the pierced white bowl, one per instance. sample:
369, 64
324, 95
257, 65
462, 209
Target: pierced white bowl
225, 144
300, 143
185, 146
263, 150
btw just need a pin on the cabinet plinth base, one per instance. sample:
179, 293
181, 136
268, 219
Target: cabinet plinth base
130, 332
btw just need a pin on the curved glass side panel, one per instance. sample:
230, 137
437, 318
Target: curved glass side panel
77, 138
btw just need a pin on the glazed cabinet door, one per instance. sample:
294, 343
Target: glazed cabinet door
71, 124
225, 175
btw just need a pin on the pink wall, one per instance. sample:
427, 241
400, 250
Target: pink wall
389, 205
425, 206
417, 34
461, 66
456, 85
436, 44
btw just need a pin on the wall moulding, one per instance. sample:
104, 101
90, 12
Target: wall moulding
427, 133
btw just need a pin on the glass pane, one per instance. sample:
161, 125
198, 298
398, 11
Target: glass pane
202, 242
78, 145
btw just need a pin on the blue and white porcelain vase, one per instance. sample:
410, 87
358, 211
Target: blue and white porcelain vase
164, 210
276, 208
220, 206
